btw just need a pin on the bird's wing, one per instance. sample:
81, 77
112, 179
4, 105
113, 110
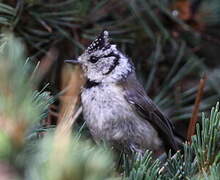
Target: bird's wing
135, 95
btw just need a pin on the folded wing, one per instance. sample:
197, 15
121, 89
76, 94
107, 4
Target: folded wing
143, 105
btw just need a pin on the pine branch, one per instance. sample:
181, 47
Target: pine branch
142, 168
206, 142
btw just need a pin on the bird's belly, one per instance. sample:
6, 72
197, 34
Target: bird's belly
103, 106
109, 117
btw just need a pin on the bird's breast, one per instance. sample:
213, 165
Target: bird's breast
103, 105
110, 117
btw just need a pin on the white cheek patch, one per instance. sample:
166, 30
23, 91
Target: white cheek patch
105, 64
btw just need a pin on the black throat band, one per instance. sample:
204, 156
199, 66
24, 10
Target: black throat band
89, 84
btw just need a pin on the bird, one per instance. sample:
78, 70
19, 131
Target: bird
116, 108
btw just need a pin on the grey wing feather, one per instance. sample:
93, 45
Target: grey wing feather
143, 105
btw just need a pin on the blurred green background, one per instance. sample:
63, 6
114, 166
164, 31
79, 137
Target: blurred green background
173, 43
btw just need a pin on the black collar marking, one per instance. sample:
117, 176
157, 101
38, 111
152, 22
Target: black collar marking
89, 84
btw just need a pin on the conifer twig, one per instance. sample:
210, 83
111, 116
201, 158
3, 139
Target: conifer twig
193, 120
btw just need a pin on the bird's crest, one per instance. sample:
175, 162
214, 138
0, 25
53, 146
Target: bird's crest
101, 41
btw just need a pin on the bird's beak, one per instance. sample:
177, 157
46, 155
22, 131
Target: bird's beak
73, 61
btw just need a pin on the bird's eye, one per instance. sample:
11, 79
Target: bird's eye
93, 59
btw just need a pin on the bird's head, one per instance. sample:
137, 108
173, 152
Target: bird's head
102, 61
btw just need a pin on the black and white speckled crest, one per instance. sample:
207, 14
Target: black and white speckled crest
101, 41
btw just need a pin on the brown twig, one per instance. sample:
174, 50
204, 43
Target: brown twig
193, 120
46, 63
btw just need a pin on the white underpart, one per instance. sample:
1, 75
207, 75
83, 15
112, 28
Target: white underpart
102, 103
104, 106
